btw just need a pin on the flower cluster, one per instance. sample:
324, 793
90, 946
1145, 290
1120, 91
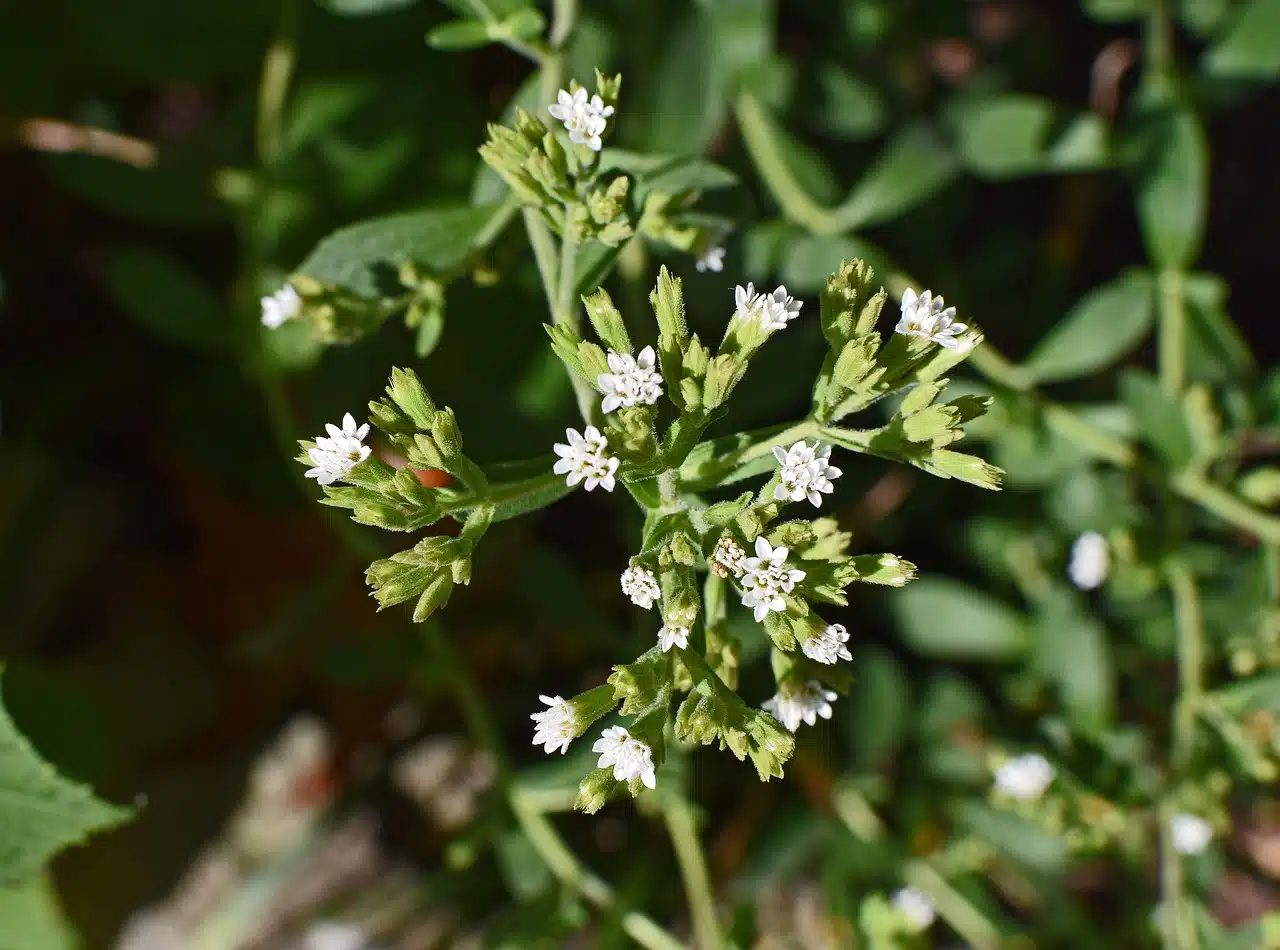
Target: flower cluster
584, 119
712, 259
584, 459
806, 472
632, 382
828, 646
774, 311
628, 757
1191, 834
795, 703
280, 307
728, 559
555, 727
334, 457
766, 577
673, 635
924, 316
1024, 778
640, 584
1090, 561
916, 906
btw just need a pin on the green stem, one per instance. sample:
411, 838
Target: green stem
564, 14
693, 869
565, 312
994, 365
565, 865
1214, 498
1173, 333
1097, 442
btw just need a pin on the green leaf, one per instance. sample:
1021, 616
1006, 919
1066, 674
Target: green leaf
40, 811
429, 332
688, 101
1159, 417
520, 496
1116, 11
1015, 836
811, 258
163, 295
318, 106
1216, 350
851, 107
365, 7
30, 918
1173, 190
1251, 695
880, 709
365, 257
1010, 135
913, 166
1104, 326
947, 619
1073, 652
459, 35
1250, 47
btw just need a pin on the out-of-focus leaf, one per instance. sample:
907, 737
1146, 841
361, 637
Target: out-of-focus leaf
496, 8
30, 918
851, 108
809, 259
459, 35
1010, 135
668, 173
1216, 351
365, 257
913, 166
1173, 190
689, 103
161, 294
743, 36
1160, 419
1260, 486
1250, 47
1104, 326
1203, 17
40, 811
364, 7
429, 332
176, 192
1072, 651
1246, 696
944, 618
1015, 836
879, 709
317, 107
1115, 11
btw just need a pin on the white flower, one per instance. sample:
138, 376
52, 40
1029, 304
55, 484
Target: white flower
1191, 834
1025, 778
673, 635
334, 457
924, 316
728, 557
712, 259
629, 758
766, 578
794, 704
633, 382
584, 119
774, 311
806, 473
555, 727
829, 646
640, 584
584, 459
1090, 561
916, 906
280, 307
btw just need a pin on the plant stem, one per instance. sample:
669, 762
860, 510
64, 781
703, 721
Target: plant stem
277, 70
693, 869
565, 865
1214, 498
564, 14
1173, 332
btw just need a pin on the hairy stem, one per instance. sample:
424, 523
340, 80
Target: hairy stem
693, 869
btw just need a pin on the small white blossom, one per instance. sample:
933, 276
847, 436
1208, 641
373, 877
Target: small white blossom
584, 119
766, 578
794, 704
712, 259
1090, 561
280, 307
584, 459
555, 727
807, 472
916, 906
1025, 778
728, 557
924, 316
1191, 834
640, 584
629, 758
633, 382
330, 935
774, 311
829, 646
673, 635
335, 456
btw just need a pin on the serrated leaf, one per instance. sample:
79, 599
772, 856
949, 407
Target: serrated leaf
1105, 325
1250, 47
40, 811
365, 257
944, 618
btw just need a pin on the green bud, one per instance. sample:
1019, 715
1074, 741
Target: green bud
608, 88
608, 322
780, 631
408, 393
593, 361
667, 300
696, 358
683, 550
888, 569
849, 307
614, 233
770, 744
690, 395
444, 432
921, 397
594, 790
680, 598
530, 127
590, 706
945, 358
542, 170
966, 468
723, 513
433, 598
460, 570
426, 454
856, 368
638, 684
557, 157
